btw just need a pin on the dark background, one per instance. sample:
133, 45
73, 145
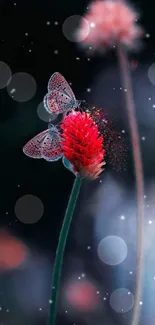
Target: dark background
20, 175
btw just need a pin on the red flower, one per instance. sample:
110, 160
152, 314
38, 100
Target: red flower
83, 144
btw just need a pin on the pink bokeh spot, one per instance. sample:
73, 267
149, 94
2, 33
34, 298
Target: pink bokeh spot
12, 252
82, 296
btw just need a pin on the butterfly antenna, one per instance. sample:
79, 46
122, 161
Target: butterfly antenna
80, 102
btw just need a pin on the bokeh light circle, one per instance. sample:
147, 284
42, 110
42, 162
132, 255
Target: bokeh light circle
82, 296
12, 251
151, 73
29, 209
112, 250
42, 113
5, 75
70, 28
122, 300
22, 87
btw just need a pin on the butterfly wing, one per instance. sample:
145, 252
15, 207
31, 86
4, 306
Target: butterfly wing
33, 147
51, 149
57, 102
59, 83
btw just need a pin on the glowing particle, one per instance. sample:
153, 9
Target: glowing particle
83, 275
88, 247
147, 35
26, 34
92, 25
88, 90
143, 138
141, 303
122, 217
56, 51
150, 222
56, 23
48, 23
12, 91
115, 142
130, 272
50, 301
40, 309
77, 58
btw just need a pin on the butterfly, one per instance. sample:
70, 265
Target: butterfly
60, 97
46, 145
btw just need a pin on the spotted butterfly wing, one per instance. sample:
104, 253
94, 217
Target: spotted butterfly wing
51, 149
46, 145
57, 102
33, 147
59, 83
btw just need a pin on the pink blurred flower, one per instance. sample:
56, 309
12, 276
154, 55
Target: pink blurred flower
109, 22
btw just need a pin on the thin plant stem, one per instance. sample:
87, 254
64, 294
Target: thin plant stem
139, 179
61, 249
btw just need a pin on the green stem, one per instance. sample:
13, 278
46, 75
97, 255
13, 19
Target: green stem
61, 248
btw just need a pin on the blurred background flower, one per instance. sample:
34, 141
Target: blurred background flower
109, 22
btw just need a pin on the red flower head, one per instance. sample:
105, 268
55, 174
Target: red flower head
83, 145
109, 22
